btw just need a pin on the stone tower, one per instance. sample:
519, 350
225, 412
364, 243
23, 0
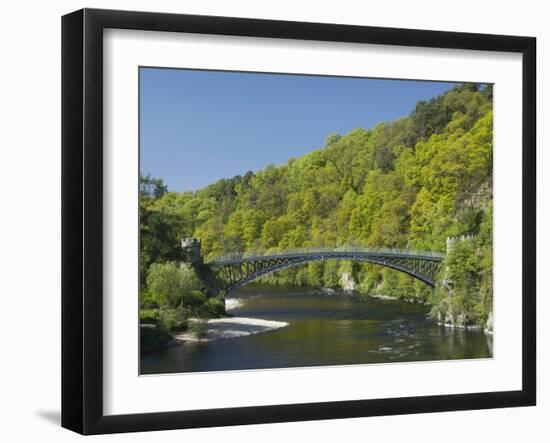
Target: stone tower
451, 241
192, 250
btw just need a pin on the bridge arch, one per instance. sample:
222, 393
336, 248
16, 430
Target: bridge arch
235, 272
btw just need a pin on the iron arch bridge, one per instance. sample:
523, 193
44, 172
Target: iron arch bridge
237, 270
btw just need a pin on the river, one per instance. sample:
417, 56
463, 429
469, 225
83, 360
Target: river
324, 328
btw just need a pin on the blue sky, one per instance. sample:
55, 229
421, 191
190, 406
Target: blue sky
199, 126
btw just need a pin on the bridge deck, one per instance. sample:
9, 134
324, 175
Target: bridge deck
350, 253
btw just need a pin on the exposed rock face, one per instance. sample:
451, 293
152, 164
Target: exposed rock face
348, 283
460, 320
489, 324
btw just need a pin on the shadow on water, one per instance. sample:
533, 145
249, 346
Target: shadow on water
324, 328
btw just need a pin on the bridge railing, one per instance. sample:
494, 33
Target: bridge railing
324, 250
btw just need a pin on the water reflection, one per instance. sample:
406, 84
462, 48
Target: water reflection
324, 329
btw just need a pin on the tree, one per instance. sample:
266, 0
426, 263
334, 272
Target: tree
408, 183
160, 235
172, 284
151, 187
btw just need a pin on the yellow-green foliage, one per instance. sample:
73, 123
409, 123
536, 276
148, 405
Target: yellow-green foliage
173, 294
468, 269
409, 183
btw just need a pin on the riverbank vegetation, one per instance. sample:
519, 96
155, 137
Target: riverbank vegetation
409, 183
171, 292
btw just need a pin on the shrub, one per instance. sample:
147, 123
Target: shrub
194, 300
172, 319
147, 299
214, 307
170, 283
148, 316
199, 328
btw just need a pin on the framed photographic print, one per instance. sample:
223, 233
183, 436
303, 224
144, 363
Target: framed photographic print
269, 221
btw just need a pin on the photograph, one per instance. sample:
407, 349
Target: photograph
300, 220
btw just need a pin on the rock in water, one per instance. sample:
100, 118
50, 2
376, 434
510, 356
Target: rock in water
348, 283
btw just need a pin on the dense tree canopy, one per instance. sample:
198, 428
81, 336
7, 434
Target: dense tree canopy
409, 183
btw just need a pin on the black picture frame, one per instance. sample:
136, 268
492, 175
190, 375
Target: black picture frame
82, 233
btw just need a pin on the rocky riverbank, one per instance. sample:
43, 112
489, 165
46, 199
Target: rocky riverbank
448, 320
460, 322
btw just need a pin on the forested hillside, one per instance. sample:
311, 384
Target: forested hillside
408, 183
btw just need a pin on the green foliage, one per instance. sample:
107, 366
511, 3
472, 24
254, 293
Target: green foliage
467, 298
161, 229
409, 183
199, 328
148, 316
150, 187
173, 295
214, 308
147, 300
172, 319
172, 284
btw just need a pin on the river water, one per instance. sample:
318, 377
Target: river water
324, 328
